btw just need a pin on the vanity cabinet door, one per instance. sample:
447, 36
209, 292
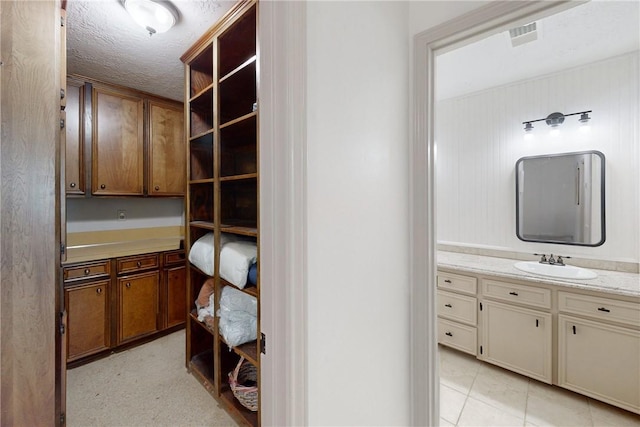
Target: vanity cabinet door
138, 305
599, 360
517, 339
88, 318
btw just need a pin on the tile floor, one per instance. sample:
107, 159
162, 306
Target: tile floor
474, 393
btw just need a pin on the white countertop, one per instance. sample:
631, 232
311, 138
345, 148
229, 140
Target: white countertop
612, 282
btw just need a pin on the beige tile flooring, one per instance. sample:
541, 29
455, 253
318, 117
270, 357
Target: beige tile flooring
474, 393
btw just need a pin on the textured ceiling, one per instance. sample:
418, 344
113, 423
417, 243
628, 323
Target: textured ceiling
587, 33
104, 43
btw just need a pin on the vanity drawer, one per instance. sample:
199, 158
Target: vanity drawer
457, 307
457, 282
87, 271
174, 257
600, 308
461, 337
529, 295
137, 263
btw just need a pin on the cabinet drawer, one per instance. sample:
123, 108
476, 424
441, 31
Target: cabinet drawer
461, 337
88, 270
529, 295
137, 263
456, 282
174, 257
457, 307
600, 308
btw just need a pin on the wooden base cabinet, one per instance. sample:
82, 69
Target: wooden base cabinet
518, 339
88, 318
123, 301
598, 360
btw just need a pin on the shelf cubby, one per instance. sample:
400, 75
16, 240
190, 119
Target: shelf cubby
201, 157
201, 71
239, 203
238, 93
201, 113
201, 203
238, 154
238, 43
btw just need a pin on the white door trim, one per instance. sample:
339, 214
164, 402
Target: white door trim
283, 218
494, 17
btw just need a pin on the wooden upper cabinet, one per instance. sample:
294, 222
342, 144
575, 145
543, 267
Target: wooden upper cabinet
74, 152
118, 143
167, 164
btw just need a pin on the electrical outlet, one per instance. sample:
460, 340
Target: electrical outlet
122, 214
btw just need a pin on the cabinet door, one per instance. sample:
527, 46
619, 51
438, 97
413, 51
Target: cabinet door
87, 319
74, 151
167, 163
518, 339
138, 305
176, 295
600, 360
118, 150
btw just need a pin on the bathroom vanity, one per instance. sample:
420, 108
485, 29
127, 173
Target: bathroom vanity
583, 335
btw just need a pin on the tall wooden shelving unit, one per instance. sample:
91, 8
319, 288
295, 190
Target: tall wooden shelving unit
222, 175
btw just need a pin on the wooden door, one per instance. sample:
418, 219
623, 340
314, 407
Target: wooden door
518, 339
74, 151
615, 351
167, 162
176, 285
87, 309
138, 305
118, 144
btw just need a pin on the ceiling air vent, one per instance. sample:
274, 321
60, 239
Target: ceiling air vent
525, 34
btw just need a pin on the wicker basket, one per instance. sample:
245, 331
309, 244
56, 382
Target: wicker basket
246, 395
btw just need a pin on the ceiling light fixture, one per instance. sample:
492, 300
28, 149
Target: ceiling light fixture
556, 119
155, 16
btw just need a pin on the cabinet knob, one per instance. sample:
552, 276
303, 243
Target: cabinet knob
102, 186
139, 264
86, 271
157, 187
72, 185
128, 285
99, 291
513, 293
448, 305
447, 281
449, 334
606, 310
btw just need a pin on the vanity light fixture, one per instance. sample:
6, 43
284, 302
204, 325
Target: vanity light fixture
155, 16
554, 120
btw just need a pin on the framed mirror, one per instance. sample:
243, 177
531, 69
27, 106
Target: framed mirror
560, 198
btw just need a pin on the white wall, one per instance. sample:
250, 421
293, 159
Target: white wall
479, 139
357, 136
100, 214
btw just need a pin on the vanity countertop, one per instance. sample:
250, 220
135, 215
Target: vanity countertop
95, 245
612, 282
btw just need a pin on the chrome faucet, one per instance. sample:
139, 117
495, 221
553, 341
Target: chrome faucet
551, 260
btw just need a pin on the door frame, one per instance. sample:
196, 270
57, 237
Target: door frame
486, 20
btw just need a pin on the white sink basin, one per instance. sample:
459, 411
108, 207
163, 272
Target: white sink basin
559, 271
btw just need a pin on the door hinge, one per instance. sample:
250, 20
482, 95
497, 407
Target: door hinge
480, 349
62, 419
62, 21
263, 343
480, 306
62, 248
62, 327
